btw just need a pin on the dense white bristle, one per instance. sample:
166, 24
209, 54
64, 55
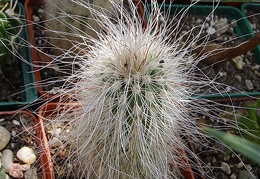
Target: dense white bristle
134, 89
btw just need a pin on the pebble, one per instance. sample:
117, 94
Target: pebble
233, 23
257, 73
5, 137
26, 155
25, 167
55, 142
222, 25
211, 30
249, 167
7, 159
2, 173
57, 132
31, 174
15, 122
16, 171
249, 84
225, 168
40, 10
244, 174
226, 158
238, 77
13, 133
239, 62
240, 165
233, 176
35, 18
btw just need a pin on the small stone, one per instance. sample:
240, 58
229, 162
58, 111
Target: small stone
40, 10
222, 25
2, 173
226, 158
35, 18
238, 77
13, 133
239, 62
244, 174
257, 73
55, 142
57, 132
249, 167
5, 137
26, 155
228, 88
231, 30
15, 122
7, 159
225, 168
240, 165
31, 174
211, 30
16, 171
233, 23
221, 74
249, 84
25, 167
233, 176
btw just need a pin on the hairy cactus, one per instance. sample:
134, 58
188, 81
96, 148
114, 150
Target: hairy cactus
133, 91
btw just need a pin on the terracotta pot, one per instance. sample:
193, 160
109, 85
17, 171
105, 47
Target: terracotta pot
234, 4
37, 56
40, 139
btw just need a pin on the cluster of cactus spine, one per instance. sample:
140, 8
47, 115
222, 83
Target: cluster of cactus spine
133, 93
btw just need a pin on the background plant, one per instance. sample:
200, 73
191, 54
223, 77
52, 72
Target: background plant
247, 142
10, 28
249, 121
247, 148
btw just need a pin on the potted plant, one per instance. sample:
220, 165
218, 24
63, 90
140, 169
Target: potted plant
17, 81
128, 105
23, 146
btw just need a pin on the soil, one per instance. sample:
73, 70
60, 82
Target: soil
235, 79
11, 81
253, 16
215, 157
22, 134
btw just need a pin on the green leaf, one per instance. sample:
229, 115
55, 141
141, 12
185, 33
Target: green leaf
249, 122
245, 147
